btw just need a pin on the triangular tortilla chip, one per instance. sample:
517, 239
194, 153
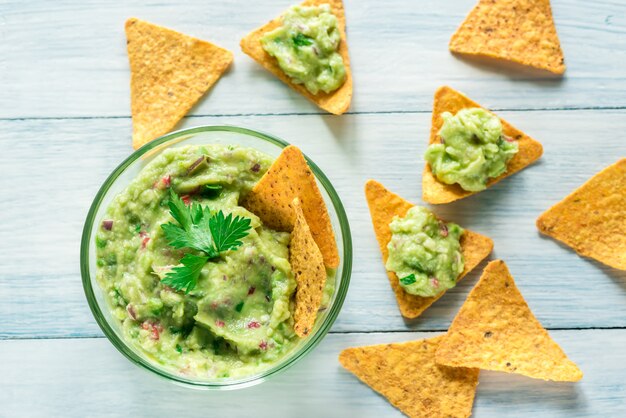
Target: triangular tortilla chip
592, 219
384, 205
170, 72
450, 100
521, 31
270, 199
407, 375
495, 330
307, 264
336, 102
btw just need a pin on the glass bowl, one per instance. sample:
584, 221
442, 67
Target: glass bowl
128, 170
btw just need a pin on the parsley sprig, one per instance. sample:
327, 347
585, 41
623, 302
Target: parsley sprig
198, 229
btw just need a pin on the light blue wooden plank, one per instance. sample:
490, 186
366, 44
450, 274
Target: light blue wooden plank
67, 58
53, 168
87, 377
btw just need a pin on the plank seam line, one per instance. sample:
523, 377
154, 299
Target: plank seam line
380, 112
398, 331
395, 331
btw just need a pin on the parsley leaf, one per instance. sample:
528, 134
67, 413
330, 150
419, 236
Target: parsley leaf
410, 279
179, 210
302, 40
227, 231
185, 277
198, 229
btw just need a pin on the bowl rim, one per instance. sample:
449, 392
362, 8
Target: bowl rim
311, 342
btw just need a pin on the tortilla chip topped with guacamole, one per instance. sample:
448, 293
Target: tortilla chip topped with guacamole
592, 219
407, 375
336, 101
384, 206
496, 330
451, 101
520, 31
307, 264
170, 72
271, 199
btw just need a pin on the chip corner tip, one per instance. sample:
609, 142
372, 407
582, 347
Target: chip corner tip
369, 185
443, 89
244, 45
130, 21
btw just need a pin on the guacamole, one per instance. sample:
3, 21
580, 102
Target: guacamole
472, 149
306, 46
424, 252
237, 320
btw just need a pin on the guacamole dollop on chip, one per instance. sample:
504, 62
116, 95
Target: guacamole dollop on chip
472, 149
384, 206
424, 252
306, 48
449, 100
336, 102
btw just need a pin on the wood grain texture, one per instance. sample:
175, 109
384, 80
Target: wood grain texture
57, 166
65, 125
68, 58
87, 377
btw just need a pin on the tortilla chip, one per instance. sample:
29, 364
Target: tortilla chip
450, 100
521, 31
307, 264
170, 72
495, 330
407, 375
270, 199
592, 219
384, 205
336, 102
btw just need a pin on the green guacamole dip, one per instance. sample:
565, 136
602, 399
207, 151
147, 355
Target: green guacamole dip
238, 319
424, 252
306, 46
472, 149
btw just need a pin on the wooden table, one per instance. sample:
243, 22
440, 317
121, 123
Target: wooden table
65, 124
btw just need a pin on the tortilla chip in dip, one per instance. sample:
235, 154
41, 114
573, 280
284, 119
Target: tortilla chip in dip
592, 219
407, 375
496, 330
384, 206
170, 72
520, 31
270, 199
308, 267
450, 100
336, 102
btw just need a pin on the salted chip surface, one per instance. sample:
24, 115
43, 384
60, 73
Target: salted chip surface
307, 264
521, 31
450, 100
170, 72
384, 205
592, 219
496, 330
270, 199
336, 102
407, 375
